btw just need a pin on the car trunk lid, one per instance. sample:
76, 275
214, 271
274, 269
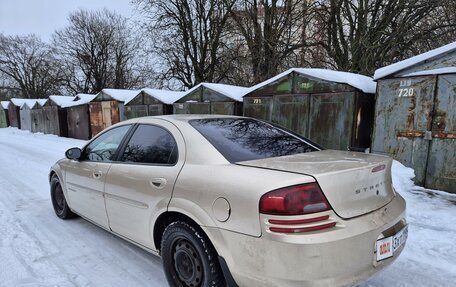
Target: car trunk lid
353, 183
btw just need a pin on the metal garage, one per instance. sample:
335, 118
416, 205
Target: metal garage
25, 111
152, 102
416, 116
55, 117
4, 121
107, 108
208, 98
78, 116
332, 108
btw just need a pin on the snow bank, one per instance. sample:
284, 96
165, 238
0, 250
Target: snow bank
429, 255
399, 66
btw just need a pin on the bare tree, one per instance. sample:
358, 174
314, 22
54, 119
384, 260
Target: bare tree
275, 33
361, 36
188, 37
97, 49
28, 66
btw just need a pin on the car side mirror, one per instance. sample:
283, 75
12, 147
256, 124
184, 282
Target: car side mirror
73, 153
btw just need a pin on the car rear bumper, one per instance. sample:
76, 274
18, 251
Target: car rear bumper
341, 256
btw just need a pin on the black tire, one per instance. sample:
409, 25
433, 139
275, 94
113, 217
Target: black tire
189, 259
59, 203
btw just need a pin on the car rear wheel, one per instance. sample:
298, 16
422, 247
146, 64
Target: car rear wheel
59, 203
189, 259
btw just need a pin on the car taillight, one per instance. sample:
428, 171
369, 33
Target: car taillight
294, 200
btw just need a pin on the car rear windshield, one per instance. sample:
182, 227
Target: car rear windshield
248, 139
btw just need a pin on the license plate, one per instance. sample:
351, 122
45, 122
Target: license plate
387, 246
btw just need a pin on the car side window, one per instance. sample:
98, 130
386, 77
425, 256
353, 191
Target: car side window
151, 144
105, 146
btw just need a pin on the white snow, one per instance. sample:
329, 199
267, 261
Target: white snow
41, 102
233, 92
61, 100
80, 99
30, 102
164, 96
120, 95
399, 66
361, 82
440, 71
4, 104
39, 249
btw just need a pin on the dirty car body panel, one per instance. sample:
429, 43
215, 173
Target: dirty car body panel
278, 209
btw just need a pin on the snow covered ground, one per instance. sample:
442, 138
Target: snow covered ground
39, 249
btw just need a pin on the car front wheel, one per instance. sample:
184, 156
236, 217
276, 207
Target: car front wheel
189, 259
59, 203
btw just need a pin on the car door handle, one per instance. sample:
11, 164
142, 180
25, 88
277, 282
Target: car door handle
97, 174
158, 182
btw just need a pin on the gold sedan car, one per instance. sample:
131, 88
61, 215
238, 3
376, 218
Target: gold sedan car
233, 201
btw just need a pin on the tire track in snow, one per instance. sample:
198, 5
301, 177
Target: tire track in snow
43, 250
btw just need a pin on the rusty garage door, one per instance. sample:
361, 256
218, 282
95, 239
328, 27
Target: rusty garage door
258, 107
223, 108
331, 119
413, 125
78, 119
292, 112
3, 119
135, 111
103, 115
441, 165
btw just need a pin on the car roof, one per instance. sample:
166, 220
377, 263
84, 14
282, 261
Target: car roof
187, 117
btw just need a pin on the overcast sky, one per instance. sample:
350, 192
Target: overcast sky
43, 17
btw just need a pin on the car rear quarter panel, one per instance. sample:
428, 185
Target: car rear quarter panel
199, 186
207, 176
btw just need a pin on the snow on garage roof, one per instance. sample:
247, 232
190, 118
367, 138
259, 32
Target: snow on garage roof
234, 92
4, 104
164, 96
35, 104
361, 82
80, 99
399, 66
120, 95
60, 100
30, 102
440, 71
